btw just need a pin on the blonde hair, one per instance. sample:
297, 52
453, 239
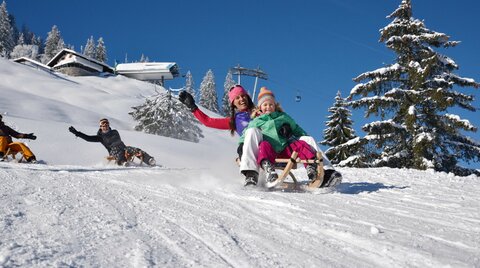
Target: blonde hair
257, 111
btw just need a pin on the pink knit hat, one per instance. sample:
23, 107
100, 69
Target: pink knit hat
236, 91
264, 95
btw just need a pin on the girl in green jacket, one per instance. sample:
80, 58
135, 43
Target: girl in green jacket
280, 136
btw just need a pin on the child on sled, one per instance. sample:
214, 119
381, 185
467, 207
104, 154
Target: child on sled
280, 136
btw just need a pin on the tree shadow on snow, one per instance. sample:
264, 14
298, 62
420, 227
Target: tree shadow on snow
360, 187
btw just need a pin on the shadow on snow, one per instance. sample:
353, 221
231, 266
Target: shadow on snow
360, 187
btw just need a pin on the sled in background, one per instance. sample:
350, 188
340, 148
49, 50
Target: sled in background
286, 165
130, 158
12, 152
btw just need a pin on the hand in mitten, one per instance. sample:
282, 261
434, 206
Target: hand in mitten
30, 136
73, 130
285, 131
187, 99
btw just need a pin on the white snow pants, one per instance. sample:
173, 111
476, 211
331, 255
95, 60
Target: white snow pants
253, 137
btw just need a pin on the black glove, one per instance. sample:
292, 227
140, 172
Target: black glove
73, 130
187, 99
30, 136
285, 131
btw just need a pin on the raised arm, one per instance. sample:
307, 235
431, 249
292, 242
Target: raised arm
218, 123
94, 138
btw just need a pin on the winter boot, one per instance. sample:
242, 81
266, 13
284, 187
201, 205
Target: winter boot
32, 159
251, 177
269, 170
312, 171
152, 162
331, 178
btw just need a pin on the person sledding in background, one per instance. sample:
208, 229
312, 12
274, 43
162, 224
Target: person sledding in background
6, 134
110, 138
281, 136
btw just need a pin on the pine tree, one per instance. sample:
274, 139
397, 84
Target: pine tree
339, 131
208, 94
229, 83
415, 94
164, 115
144, 58
89, 49
21, 39
52, 44
101, 51
190, 85
27, 35
28, 51
37, 40
15, 31
61, 45
7, 41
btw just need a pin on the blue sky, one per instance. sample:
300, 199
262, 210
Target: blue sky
312, 47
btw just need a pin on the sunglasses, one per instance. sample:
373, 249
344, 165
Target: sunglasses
104, 124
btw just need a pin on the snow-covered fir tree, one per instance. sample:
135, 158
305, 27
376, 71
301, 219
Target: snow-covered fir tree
37, 40
28, 51
52, 44
164, 115
208, 94
7, 41
229, 83
144, 58
15, 31
61, 45
190, 85
21, 39
24, 50
339, 131
89, 49
101, 50
28, 36
412, 99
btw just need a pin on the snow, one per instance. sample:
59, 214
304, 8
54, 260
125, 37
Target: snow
75, 210
411, 110
379, 72
456, 118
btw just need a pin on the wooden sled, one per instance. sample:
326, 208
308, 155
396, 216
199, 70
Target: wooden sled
13, 153
130, 158
286, 165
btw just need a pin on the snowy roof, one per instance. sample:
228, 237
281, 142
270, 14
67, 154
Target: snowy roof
58, 58
34, 62
149, 70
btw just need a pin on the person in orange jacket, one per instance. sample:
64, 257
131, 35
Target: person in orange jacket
6, 134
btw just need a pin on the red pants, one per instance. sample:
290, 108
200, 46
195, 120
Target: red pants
265, 151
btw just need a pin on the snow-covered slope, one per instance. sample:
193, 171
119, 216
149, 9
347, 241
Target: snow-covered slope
193, 212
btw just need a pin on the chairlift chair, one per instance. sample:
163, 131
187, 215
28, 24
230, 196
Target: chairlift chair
298, 98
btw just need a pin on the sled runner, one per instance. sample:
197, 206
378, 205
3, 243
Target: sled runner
12, 154
130, 158
286, 165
